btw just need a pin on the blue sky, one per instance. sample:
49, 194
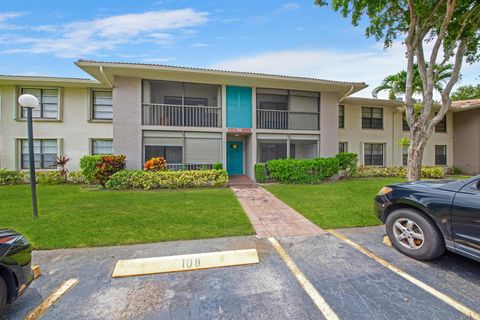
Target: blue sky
283, 37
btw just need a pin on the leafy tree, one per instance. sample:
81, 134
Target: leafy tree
450, 27
466, 92
396, 83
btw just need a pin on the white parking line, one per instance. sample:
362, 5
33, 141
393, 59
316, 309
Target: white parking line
443, 297
51, 299
321, 304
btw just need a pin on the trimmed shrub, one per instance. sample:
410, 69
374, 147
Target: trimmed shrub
370, 172
348, 162
302, 171
99, 168
155, 164
433, 172
88, 165
12, 177
217, 166
137, 179
107, 166
49, 177
261, 174
75, 177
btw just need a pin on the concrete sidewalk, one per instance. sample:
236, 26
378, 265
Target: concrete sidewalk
271, 217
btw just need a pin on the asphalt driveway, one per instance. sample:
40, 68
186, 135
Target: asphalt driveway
354, 285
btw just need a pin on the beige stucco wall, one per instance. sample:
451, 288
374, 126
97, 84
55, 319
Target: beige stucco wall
127, 115
73, 131
390, 135
329, 124
466, 148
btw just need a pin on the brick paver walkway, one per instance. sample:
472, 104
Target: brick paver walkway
271, 217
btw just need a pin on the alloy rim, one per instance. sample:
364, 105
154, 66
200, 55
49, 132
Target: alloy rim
408, 233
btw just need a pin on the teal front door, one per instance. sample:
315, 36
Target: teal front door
235, 158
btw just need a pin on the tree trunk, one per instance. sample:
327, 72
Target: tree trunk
415, 156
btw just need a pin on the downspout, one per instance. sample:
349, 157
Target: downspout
105, 77
347, 94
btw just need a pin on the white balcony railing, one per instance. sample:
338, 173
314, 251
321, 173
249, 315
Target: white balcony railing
189, 166
181, 116
287, 120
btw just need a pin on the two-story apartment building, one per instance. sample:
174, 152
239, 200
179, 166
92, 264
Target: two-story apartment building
197, 117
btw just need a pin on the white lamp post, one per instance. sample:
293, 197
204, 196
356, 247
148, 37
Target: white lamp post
29, 102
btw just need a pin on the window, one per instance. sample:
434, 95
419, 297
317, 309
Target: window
442, 125
102, 146
272, 151
405, 155
173, 154
102, 105
372, 118
45, 151
188, 101
341, 116
405, 126
373, 154
342, 147
48, 103
440, 155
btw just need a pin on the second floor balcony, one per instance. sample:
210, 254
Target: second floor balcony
288, 110
287, 120
179, 104
181, 115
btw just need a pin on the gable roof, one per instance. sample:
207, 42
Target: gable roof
106, 71
83, 62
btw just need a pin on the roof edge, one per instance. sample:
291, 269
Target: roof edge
85, 63
47, 78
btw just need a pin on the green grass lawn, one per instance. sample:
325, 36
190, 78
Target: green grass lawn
340, 204
71, 216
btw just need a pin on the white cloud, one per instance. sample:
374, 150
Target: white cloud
289, 6
4, 16
200, 45
158, 60
369, 66
90, 37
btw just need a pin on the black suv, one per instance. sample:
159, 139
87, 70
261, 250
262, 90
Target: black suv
15, 271
424, 218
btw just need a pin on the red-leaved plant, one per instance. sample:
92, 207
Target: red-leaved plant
61, 162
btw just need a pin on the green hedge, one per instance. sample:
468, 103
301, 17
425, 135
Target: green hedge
427, 172
49, 177
99, 168
13, 177
137, 179
88, 164
348, 162
261, 174
302, 171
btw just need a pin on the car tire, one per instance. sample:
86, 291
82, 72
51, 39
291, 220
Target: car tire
405, 228
3, 296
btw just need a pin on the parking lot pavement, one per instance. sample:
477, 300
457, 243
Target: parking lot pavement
357, 287
261, 291
352, 284
452, 274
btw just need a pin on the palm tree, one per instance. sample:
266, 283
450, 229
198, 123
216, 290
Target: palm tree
395, 84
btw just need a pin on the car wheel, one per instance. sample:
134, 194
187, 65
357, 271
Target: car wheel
3, 296
414, 234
